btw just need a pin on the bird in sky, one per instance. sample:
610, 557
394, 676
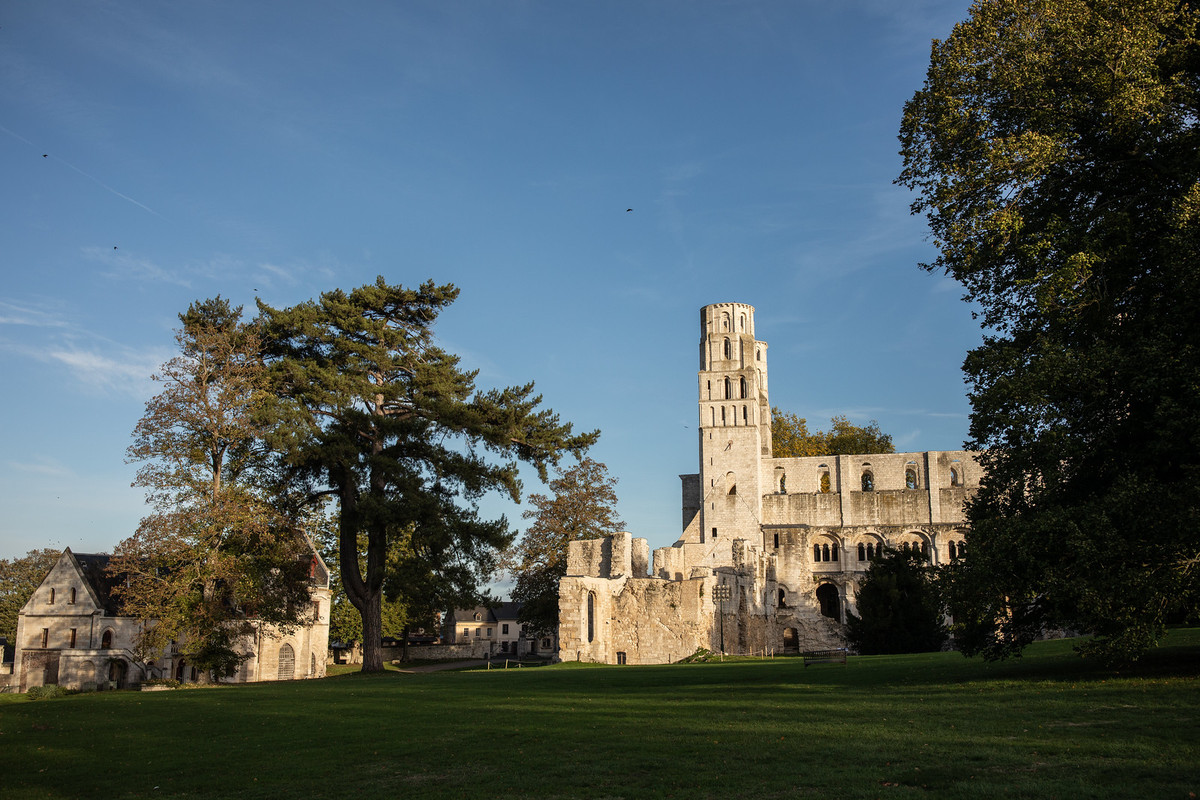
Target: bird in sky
628, 210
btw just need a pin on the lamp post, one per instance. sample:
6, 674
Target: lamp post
721, 593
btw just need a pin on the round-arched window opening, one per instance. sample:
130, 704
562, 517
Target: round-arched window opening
868, 481
830, 601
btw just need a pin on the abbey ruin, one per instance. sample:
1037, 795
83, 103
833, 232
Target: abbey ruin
772, 548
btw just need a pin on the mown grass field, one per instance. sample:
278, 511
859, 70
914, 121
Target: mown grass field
935, 725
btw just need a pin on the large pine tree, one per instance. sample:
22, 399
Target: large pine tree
387, 422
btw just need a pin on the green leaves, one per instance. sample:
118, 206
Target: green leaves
790, 437
1054, 150
379, 416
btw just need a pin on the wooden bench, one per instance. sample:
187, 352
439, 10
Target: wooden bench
825, 656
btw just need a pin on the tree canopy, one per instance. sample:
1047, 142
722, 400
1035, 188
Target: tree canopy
382, 418
899, 609
1055, 150
790, 437
583, 505
18, 579
215, 551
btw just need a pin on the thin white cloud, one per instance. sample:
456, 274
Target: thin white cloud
16, 314
43, 466
121, 265
126, 372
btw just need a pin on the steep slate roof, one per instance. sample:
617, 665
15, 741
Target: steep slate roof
507, 610
93, 567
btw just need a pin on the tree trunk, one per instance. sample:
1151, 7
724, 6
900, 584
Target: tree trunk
372, 627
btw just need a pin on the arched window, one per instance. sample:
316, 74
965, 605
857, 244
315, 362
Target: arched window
745, 417
758, 355
743, 382
728, 350
783, 484
952, 549
827, 596
862, 552
106, 640
724, 322
591, 616
728, 389
868, 481
833, 549
910, 478
287, 663
816, 552
825, 552
782, 596
955, 480
709, 390
742, 322
825, 485
722, 415
72, 598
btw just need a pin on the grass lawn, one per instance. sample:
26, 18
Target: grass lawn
934, 725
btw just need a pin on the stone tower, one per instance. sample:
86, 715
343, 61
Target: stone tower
735, 425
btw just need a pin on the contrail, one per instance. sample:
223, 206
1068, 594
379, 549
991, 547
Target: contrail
91, 178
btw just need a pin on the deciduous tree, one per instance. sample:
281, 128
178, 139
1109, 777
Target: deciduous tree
215, 551
388, 423
790, 437
18, 578
1055, 149
899, 610
583, 505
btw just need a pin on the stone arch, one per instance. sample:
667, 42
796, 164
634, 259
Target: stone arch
870, 547
287, 662
914, 540
830, 601
106, 639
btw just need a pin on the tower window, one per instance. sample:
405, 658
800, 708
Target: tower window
868, 481
714, 534
744, 417
728, 349
728, 390
743, 387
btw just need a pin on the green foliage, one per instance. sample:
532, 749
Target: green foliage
387, 422
345, 623
215, 551
582, 506
18, 578
790, 437
47, 692
899, 607
1055, 148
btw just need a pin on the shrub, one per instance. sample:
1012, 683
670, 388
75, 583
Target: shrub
48, 691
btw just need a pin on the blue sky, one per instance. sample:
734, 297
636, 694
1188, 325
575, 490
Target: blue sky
153, 154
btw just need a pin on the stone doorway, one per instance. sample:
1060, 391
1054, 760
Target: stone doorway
831, 605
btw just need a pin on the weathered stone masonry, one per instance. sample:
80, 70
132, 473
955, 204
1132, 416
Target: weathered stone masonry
790, 537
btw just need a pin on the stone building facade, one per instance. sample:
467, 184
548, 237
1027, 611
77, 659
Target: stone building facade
772, 548
71, 632
495, 631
